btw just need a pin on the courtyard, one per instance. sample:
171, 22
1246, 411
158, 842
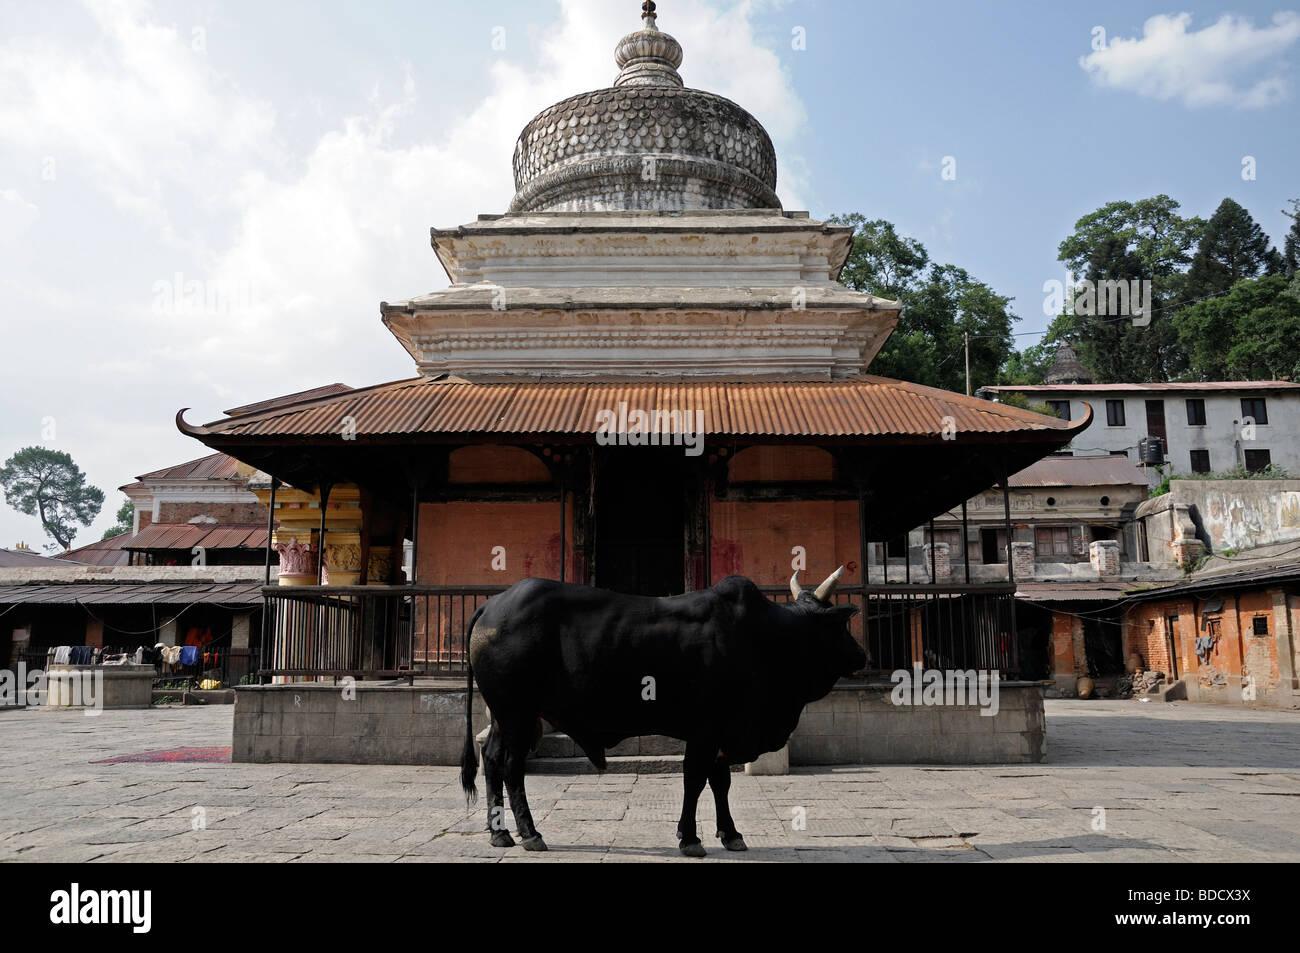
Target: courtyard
1125, 781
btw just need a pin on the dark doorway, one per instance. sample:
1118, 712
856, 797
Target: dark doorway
1156, 421
640, 544
993, 546
1102, 643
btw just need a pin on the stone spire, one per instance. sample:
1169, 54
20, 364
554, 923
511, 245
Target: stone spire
648, 57
1067, 368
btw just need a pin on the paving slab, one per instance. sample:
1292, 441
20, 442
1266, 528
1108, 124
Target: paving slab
1177, 783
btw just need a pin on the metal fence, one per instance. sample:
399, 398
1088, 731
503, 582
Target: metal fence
410, 631
368, 631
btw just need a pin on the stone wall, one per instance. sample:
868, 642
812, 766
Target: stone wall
860, 724
316, 724
425, 725
1220, 514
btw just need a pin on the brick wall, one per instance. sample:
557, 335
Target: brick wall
221, 512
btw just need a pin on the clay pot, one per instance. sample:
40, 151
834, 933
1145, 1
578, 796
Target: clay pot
1084, 687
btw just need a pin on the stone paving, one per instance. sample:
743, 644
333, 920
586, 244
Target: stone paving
1177, 782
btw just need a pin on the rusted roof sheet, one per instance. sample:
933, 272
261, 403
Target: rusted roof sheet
217, 466
313, 394
188, 535
1072, 591
102, 552
17, 559
1102, 470
856, 407
1207, 386
170, 594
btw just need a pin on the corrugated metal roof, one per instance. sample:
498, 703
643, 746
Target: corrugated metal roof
102, 552
17, 559
1209, 386
1106, 470
233, 594
856, 407
189, 535
1072, 591
217, 466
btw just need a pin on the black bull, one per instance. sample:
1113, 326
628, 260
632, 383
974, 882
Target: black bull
725, 670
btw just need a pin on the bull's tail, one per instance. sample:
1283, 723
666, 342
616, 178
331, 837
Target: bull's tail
469, 756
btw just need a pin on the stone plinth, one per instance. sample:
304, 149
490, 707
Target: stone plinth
860, 724
425, 725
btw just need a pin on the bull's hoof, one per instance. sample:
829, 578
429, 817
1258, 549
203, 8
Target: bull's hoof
502, 839
534, 843
691, 848
734, 842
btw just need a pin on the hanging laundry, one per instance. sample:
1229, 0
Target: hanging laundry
189, 655
61, 654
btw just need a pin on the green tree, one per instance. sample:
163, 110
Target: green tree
1146, 240
1251, 333
1026, 367
941, 304
1232, 248
47, 484
125, 520
1291, 252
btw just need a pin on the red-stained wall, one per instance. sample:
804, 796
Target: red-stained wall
457, 540
756, 540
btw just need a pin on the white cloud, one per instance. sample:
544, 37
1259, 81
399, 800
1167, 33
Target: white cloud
16, 215
205, 183
1229, 63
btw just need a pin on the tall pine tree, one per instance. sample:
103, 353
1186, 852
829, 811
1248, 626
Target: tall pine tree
1233, 248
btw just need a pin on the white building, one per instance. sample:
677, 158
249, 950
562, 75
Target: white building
1207, 427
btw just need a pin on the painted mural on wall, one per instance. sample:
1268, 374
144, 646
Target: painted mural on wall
1241, 520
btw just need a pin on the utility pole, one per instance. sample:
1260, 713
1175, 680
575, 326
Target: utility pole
967, 338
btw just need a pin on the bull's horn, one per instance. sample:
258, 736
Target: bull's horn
795, 589
824, 591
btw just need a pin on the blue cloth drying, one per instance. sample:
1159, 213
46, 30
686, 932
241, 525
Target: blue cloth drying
189, 655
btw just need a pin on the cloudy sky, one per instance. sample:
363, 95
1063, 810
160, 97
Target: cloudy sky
288, 158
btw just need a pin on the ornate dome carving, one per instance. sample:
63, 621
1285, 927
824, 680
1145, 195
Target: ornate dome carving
646, 143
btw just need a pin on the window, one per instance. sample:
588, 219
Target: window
1061, 408
1052, 541
1200, 461
1114, 413
1256, 408
1260, 624
1195, 412
1257, 460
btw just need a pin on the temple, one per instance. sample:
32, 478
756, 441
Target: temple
644, 376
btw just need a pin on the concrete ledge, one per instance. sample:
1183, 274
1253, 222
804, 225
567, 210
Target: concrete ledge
424, 724
124, 686
858, 723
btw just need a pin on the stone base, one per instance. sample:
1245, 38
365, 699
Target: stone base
424, 724
1189, 688
858, 723
773, 763
315, 723
124, 686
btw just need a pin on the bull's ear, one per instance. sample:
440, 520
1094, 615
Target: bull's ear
844, 613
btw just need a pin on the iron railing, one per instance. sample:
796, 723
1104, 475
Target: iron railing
381, 632
368, 631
